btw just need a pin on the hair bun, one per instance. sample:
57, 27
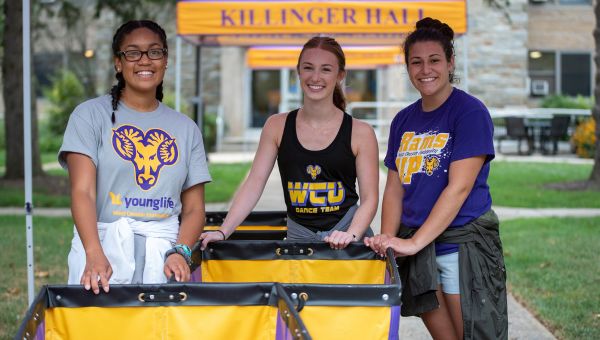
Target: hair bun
435, 24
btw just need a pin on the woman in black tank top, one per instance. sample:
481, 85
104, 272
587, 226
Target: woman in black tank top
321, 152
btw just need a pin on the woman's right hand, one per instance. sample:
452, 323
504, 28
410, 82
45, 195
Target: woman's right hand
97, 270
210, 236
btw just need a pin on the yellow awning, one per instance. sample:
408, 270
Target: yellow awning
287, 22
363, 57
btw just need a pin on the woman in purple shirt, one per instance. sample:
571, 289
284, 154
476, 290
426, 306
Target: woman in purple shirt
438, 158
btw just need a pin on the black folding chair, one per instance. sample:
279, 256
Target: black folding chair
559, 126
516, 129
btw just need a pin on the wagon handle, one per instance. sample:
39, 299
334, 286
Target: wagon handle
162, 297
294, 251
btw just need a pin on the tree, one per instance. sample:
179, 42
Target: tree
12, 90
135, 9
595, 175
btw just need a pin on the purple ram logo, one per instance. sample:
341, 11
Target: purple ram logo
148, 152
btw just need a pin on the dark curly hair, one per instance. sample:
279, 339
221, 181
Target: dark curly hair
120, 34
429, 29
330, 45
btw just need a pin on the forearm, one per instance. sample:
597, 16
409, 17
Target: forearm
363, 217
192, 225
443, 213
192, 215
83, 209
391, 205
391, 213
461, 178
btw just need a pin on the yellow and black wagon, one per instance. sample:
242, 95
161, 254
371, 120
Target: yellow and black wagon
241, 289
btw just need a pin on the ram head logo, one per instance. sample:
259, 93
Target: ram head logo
148, 152
313, 171
431, 163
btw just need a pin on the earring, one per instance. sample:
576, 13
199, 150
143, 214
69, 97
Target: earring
166, 67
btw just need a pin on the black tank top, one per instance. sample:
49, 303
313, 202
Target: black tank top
319, 186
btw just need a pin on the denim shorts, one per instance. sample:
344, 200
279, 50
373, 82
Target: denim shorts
448, 273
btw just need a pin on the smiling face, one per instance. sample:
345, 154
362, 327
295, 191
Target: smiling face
429, 70
319, 73
143, 76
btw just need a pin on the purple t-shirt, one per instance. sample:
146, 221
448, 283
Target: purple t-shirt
421, 147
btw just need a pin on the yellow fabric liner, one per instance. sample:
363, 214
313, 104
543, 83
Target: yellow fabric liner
347, 323
295, 271
156, 322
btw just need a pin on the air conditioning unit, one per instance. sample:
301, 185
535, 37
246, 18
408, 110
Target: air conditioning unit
540, 87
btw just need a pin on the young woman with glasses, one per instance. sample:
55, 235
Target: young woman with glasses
135, 165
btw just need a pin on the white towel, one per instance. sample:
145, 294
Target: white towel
117, 243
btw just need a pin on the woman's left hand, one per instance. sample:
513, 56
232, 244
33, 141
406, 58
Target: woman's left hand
403, 247
339, 239
176, 265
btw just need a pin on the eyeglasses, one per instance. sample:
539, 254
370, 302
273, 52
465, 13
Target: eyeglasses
135, 55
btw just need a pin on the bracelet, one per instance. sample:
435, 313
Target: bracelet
180, 251
222, 233
185, 249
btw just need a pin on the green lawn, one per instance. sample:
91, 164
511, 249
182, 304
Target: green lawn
521, 184
517, 184
52, 237
226, 179
553, 267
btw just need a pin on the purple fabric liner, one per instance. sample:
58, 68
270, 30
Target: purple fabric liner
40, 333
282, 332
196, 275
394, 333
394, 315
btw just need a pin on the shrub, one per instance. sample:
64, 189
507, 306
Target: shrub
210, 132
65, 93
2, 136
584, 138
169, 100
48, 141
566, 102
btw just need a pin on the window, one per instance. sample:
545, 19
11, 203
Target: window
361, 86
576, 74
541, 71
266, 95
556, 72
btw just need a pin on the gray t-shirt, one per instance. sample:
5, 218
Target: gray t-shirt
143, 162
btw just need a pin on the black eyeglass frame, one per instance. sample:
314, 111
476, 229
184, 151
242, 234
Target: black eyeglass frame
124, 54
